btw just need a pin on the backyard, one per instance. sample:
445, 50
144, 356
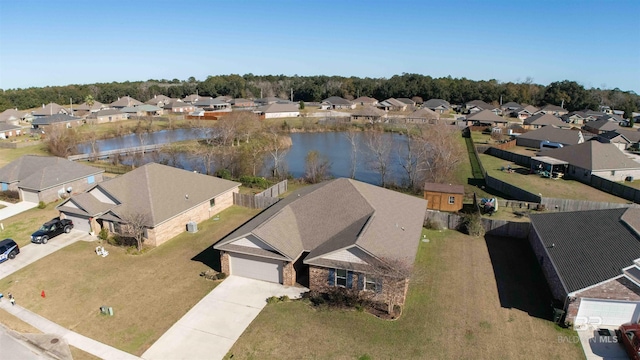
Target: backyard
474, 298
148, 292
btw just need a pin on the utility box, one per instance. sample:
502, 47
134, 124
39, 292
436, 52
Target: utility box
192, 227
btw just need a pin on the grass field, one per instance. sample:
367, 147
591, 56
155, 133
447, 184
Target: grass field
148, 292
8, 155
21, 226
534, 183
475, 299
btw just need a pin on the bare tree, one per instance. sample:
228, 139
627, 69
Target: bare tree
277, 148
135, 224
61, 141
445, 153
246, 124
380, 149
317, 167
411, 156
392, 277
352, 136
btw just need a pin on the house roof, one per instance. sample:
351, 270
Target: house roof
97, 105
611, 135
587, 247
160, 191
603, 125
486, 116
104, 112
10, 115
337, 100
50, 109
406, 101
125, 101
369, 110
278, 108
444, 188
7, 127
158, 98
365, 100
554, 134
44, 172
480, 104
52, 119
544, 120
393, 102
424, 113
435, 103
511, 105
177, 104
633, 136
551, 107
631, 218
594, 156
143, 108
338, 214
530, 109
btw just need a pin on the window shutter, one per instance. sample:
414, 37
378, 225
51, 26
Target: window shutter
379, 286
332, 277
360, 281
349, 279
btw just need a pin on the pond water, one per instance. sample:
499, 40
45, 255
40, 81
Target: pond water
133, 140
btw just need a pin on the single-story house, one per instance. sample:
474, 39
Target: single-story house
444, 197
125, 101
553, 110
47, 178
49, 109
525, 112
600, 126
180, 107
368, 114
591, 260
270, 100
210, 104
509, 107
423, 116
242, 103
486, 118
541, 120
336, 102
632, 135
106, 116
11, 116
595, 158
580, 117
365, 100
169, 198
277, 110
613, 137
142, 110
392, 104
8, 130
475, 106
95, 107
190, 99
410, 103
438, 105
332, 234
566, 137
65, 120
159, 100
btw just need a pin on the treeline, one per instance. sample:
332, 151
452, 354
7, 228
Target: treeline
316, 88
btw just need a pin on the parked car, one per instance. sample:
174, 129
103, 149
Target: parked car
8, 250
629, 337
51, 229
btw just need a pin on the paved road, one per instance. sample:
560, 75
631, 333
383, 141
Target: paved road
12, 348
212, 326
15, 209
34, 252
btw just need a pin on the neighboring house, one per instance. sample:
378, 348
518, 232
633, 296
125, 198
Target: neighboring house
336, 102
47, 178
591, 262
368, 114
334, 234
11, 116
542, 120
242, 103
444, 197
486, 118
632, 135
223, 98
410, 103
270, 100
44, 122
159, 100
125, 101
9, 130
423, 116
566, 137
553, 110
613, 137
509, 107
392, 104
595, 158
210, 104
475, 106
438, 105
169, 198
601, 126
525, 112
277, 110
95, 107
106, 116
179, 107
49, 109
190, 99
365, 100
142, 110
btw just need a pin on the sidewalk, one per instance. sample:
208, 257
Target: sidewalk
15, 209
81, 342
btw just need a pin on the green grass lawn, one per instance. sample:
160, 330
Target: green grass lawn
633, 184
21, 226
148, 292
464, 305
8, 155
534, 183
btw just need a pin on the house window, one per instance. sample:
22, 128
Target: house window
5, 186
91, 179
341, 277
370, 283
212, 202
452, 200
613, 172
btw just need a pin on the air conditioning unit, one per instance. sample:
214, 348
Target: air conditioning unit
192, 227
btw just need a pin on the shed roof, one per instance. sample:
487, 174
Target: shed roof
444, 188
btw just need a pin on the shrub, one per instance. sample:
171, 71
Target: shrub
284, 298
365, 357
223, 173
433, 224
10, 196
273, 300
103, 234
472, 224
42, 205
221, 276
254, 181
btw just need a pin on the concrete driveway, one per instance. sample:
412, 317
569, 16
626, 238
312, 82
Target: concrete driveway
212, 326
34, 252
14, 209
597, 347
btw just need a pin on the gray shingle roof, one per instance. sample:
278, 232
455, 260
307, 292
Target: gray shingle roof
434, 103
277, 108
424, 113
52, 119
11, 115
7, 127
486, 116
554, 134
587, 247
603, 125
369, 110
337, 100
126, 101
50, 109
480, 104
366, 100
551, 107
44, 172
544, 120
593, 155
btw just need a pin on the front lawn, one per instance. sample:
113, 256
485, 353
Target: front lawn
21, 226
148, 292
474, 299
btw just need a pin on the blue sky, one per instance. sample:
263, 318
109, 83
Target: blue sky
47, 42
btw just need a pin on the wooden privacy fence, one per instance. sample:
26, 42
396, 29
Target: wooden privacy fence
494, 227
616, 188
505, 145
519, 159
511, 190
554, 204
275, 190
253, 201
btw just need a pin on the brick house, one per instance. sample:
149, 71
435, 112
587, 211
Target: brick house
336, 233
44, 123
591, 260
47, 178
106, 116
487, 118
444, 197
541, 120
169, 197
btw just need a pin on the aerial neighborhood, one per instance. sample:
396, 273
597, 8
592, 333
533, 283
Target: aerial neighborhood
172, 226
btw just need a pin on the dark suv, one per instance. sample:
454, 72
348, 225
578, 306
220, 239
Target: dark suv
8, 250
50, 229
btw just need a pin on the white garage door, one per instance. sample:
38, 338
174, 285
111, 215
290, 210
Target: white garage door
31, 196
256, 268
79, 222
607, 312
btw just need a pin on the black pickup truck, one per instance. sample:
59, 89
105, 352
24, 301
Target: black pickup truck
51, 229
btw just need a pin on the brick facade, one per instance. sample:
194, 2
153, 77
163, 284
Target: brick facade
617, 289
288, 274
224, 263
553, 280
78, 186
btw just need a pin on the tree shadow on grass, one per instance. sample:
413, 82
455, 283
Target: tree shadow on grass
519, 278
